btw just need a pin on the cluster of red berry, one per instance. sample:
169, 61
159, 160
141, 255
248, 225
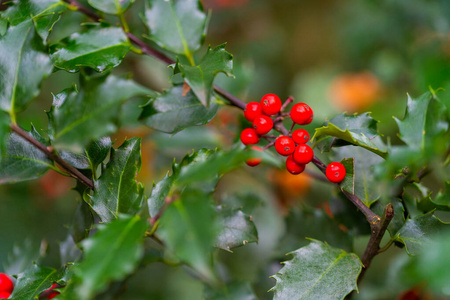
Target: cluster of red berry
292, 145
7, 287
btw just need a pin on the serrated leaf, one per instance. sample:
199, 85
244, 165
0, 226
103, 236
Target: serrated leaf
117, 191
173, 111
423, 120
359, 130
317, 271
417, 232
443, 198
22, 161
201, 77
189, 229
100, 48
82, 223
34, 281
178, 26
21, 257
233, 291
114, 7
44, 14
237, 229
23, 69
80, 116
111, 254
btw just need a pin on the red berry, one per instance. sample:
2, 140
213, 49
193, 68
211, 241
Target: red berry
301, 113
335, 172
252, 110
262, 124
249, 136
293, 167
309, 120
303, 154
4, 295
300, 136
256, 160
271, 104
6, 284
284, 145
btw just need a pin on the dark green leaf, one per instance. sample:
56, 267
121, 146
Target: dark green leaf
201, 77
237, 229
189, 229
23, 161
232, 291
178, 26
359, 130
96, 151
416, 233
317, 271
172, 112
23, 68
82, 223
34, 281
100, 48
21, 257
114, 7
423, 120
111, 254
117, 191
77, 117
443, 198
4, 130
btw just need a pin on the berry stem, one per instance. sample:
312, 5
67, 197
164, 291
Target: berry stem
269, 145
286, 103
292, 127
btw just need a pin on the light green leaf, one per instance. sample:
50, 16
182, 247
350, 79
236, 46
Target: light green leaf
23, 69
111, 254
443, 198
100, 48
189, 229
201, 77
317, 271
34, 281
178, 26
114, 7
237, 229
172, 111
21, 257
23, 161
80, 116
416, 233
359, 130
117, 191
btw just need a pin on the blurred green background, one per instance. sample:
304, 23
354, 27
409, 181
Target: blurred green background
337, 56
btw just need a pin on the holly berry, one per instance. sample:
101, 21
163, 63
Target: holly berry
309, 120
262, 124
303, 154
4, 295
335, 172
53, 294
284, 145
252, 110
249, 136
301, 113
256, 160
6, 284
270, 104
293, 167
300, 136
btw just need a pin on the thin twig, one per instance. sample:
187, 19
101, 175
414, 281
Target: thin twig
51, 154
78, 6
269, 145
286, 103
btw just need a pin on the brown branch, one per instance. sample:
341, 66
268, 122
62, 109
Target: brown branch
51, 154
78, 6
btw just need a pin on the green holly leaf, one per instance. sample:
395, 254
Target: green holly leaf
423, 121
201, 77
117, 191
233, 291
34, 281
417, 232
173, 111
21, 257
43, 13
237, 229
177, 26
442, 200
114, 7
94, 154
100, 48
4, 130
359, 130
317, 271
23, 69
22, 161
111, 254
82, 223
189, 229
80, 116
